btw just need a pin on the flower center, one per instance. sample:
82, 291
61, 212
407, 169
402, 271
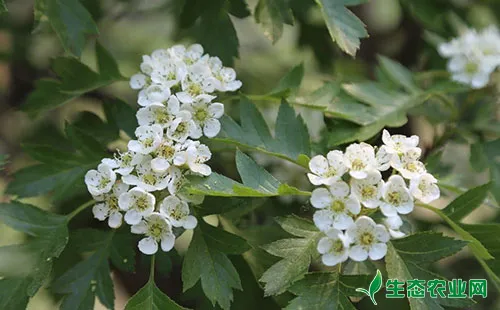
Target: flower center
171, 76
142, 203
338, 246
156, 230
149, 179
366, 238
181, 128
177, 213
112, 202
126, 160
412, 167
471, 67
201, 115
165, 151
104, 182
358, 164
330, 173
368, 192
337, 206
394, 198
194, 89
162, 117
148, 142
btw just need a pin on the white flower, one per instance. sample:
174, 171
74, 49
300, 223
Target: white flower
158, 230
226, 80
108, 205
124, 163
198, 82
396, 197
368, 239
148, 64
473, 70
148, 139
177, 212
393, 224
138, 81
408, 165
165, 154
100, 181
398, 144
360, 160
205, 114
337, 206
195, 157
176, 180
147, 178
169, 74
333, 248
158, 113
193, 53
327, 170
383, 158
424, 188
137, 203
153, 93
182, 127
368, 190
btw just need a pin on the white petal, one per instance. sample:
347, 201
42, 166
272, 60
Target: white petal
167, 242
190, 222
324, 245
139, 229
148, 246
358, 174
396, 234
314, 179
184, 97
339, 189
100, 211
358, 253
211, 127
323, 220
321, 198
331, 259
216, 110
132, 217
125, 201
377, 251
388, 210
115, 220
318, 165
381, 233
160, 165
137, 81
342, 221
201, 169
353, 205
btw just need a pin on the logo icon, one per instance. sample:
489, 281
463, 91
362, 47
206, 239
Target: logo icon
375, 286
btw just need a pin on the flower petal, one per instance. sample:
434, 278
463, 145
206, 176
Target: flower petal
148, 246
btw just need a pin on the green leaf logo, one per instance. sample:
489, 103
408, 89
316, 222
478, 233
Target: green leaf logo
375, 286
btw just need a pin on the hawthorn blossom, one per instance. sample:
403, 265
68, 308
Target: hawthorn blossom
393, 224
360, 160
398, 144
153, 93
159, 113
146, 178
408, 164
157, 230
107, 206
368, 190
124, 163
326, 171
182, 127
177, 212
424, 188
206, 114
337, 206
137, 203
100, 181
138, 81
367, 239
334, 248
396, 197
148, 139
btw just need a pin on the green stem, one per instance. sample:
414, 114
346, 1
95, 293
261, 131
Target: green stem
152, 271
80, 209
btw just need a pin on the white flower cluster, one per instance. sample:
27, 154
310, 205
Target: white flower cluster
352, 187
473, 56
177, 88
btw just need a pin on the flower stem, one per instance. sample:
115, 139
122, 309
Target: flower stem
152, 272
80, 209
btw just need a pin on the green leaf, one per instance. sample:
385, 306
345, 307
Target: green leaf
216, 32
149, 297
289, 82
257, 182
405, 261
344, 27
3, 7
86, 143
296, 254
50, 235
489, 153
122, 251
488, 234
398, 74
272, 15
70, 20
206, 260
326, 290
239, 8
292, 138
467, 202
94, 126
121, 115
75, 79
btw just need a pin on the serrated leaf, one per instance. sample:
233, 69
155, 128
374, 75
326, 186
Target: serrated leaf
272, 15
70, 20
75, 79
289, 82
406, 261
326, 291
149, 297
297, 254
121, 115
257, 182
291, 141
467, 202
50, 235
93, 125
86, 143
397, 73
91, 277
344, 27
206, 260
